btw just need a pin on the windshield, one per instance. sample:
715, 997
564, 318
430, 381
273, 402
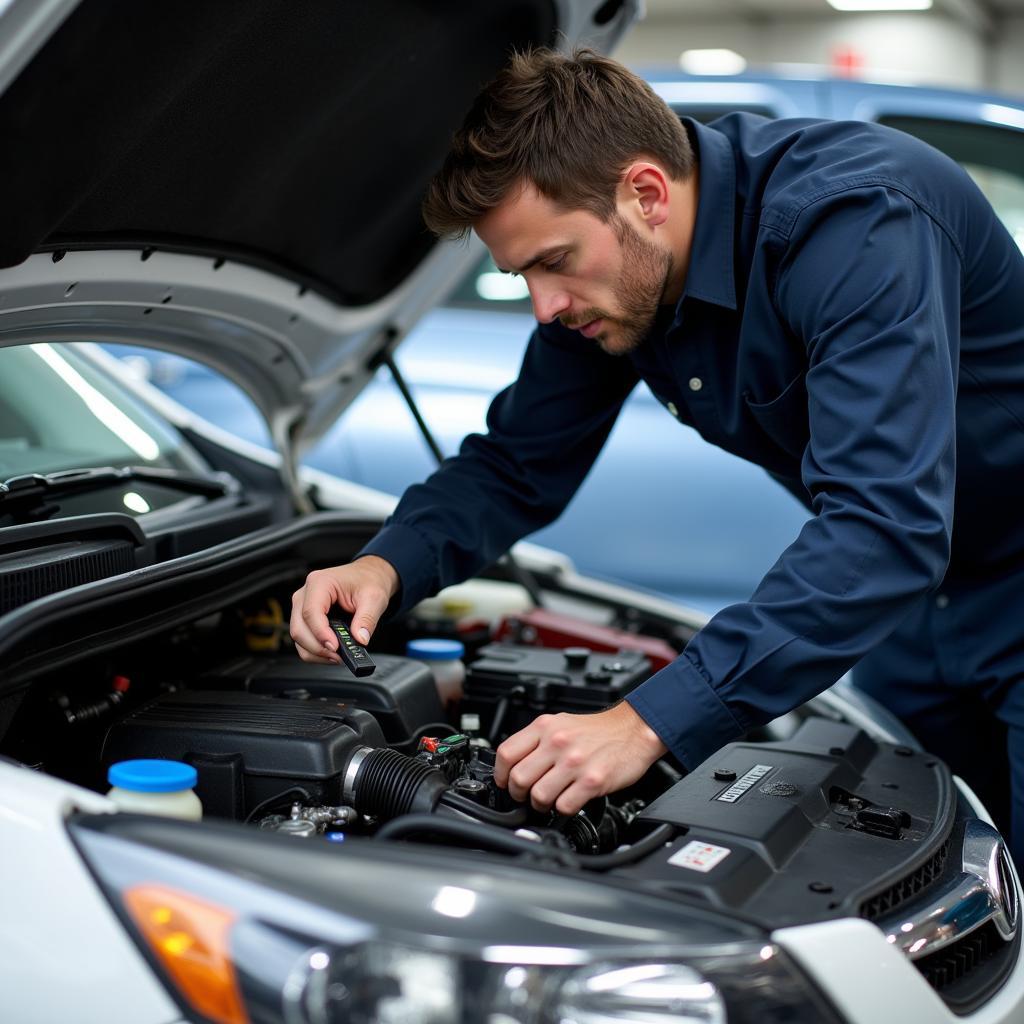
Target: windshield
58, 412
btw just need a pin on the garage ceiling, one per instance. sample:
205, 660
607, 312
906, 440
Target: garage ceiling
982, 15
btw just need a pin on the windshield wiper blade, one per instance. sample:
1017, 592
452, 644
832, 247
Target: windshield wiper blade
33, 487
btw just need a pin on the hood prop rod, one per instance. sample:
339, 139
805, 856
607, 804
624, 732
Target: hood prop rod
519, 573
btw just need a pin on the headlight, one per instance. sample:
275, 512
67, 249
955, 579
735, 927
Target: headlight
392, 984
641, 992
252, 928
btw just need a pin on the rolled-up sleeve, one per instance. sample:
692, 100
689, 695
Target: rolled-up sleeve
869, 282
544, 432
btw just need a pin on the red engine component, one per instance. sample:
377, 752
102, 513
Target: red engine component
544, 628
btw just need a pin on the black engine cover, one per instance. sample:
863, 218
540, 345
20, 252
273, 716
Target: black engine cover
248, 748
804, 830
401, 695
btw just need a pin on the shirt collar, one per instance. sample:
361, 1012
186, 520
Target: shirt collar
710, 274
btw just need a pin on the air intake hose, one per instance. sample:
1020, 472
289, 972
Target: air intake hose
387, 784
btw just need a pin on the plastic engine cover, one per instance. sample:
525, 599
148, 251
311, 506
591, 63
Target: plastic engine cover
803, 830
401, 695
247, 748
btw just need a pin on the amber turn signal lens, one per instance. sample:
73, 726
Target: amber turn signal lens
190, 938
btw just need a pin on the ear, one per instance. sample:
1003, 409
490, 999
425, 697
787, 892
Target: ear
645, 192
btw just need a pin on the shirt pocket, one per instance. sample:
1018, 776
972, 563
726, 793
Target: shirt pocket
784, 418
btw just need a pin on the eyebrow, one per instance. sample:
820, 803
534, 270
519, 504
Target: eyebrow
542, 255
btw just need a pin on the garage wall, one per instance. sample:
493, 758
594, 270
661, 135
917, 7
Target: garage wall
923, 48
1008, 71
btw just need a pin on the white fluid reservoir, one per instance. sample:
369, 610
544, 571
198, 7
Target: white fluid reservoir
154, 786
444, 659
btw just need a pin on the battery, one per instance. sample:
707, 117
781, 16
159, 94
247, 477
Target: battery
537, 680
545, 628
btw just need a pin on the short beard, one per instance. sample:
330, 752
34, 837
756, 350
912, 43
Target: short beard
646, 270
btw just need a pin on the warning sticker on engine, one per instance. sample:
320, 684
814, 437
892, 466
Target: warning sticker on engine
697, 856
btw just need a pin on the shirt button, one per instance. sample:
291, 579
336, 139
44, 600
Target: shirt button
696, 383
942, 601
672, 409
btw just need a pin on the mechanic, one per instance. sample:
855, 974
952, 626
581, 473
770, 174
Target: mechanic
835, 301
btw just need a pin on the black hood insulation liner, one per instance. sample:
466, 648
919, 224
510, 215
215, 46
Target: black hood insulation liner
297, 137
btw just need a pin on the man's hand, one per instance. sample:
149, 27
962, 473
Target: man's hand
363, 587
562, 761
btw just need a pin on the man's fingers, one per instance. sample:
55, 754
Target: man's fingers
363, 587
308, 646
563, 761
547, 788
576, 796
309, 649
370, 607
513, 750
319, 594
571, 781
523, 777
315, 659
300, 633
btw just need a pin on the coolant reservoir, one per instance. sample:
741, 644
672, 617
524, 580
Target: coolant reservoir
444, 659
153, 786
476, 599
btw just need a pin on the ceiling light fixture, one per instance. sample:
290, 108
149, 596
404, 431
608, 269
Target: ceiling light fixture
712, 62
881, 5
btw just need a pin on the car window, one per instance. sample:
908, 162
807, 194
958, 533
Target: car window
705, 112
58, 411
199, 388
993, 156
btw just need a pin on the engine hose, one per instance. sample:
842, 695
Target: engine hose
475, 833
388, 784
510, 819
479, 834
501, 710
278, 798
651, 842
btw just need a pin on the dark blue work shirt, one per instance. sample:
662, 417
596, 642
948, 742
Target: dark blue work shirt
853, 321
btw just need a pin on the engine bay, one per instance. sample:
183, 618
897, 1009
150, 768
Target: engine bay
309, 750
807, 819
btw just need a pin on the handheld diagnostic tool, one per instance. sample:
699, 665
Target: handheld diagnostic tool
354, 655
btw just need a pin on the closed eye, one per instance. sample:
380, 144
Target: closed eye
550, 260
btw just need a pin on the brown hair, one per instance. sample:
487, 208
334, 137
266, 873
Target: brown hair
567, 124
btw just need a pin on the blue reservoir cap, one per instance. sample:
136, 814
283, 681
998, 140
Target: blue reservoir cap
151, 775
431, 649
334, 837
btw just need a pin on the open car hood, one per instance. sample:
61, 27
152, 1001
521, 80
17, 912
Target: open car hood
239, 182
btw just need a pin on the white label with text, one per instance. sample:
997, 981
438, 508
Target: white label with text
697, 856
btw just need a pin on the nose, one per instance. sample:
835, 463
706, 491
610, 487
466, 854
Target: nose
548, 300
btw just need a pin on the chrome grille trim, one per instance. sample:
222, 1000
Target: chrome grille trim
983, 891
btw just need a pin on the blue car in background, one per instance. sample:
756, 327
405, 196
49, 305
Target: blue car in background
661, 509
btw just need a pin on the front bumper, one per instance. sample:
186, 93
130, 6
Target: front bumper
871, 976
